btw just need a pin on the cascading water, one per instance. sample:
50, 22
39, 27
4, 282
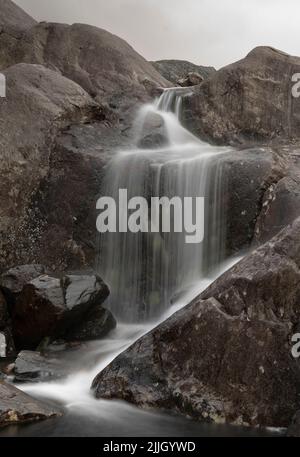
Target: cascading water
145, 270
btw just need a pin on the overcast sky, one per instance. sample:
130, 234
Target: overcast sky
207, 32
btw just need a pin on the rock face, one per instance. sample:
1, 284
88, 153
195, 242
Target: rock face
227, 355
192, 79
48, 307
175, 70
12, 17
17, 407
102, 63
250, 100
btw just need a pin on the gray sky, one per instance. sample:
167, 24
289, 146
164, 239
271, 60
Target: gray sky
208, 32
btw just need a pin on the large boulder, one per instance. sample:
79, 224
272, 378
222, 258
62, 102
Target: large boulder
175, 70
17, 407
226, 356
35, 367
13, 18
40, 103
248, 101
96, 325
103, 64
49, 307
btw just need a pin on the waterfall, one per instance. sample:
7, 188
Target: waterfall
145, 270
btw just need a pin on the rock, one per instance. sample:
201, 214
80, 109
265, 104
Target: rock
13, 280
34, 367
153, 132
96, 325
17, 407
40, 103
246, 177
2, 345
294, 428
192, 79
281, 206
248, 101
3, 311
265, 284
175, 70
100, 62
226, 357
13, 18
49, 307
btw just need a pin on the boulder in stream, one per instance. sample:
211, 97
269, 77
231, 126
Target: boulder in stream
226, 357
16, 407
49, 307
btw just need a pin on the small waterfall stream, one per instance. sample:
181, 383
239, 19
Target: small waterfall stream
145, 270
151, 275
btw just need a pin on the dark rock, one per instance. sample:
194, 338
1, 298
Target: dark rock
175, 70
280, 207
35, 367
192, 79
3, 311
13, 280
294, 428
246, 176
265, 284
48, 307
226, 357
248, 101
97, 324
17, 407
40, 103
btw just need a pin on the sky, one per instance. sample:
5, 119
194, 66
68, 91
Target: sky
206, 32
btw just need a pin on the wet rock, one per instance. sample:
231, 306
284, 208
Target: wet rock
226, 357
34, 367
96, 325
175, 70
248, 101
48, 307
13, 280
192, 79
17, 407
294, 428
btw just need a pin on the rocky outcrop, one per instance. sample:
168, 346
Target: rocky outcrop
248, 101
176, 70
12, 17
40, 103
17, 407
226, 357
49, 307
100, 62
191, 79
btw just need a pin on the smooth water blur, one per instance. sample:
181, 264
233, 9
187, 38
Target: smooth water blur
144, 270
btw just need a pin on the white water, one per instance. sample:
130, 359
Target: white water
144, 274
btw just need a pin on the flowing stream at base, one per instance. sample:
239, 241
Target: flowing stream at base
151, 276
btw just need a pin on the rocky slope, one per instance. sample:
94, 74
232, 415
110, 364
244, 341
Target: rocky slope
226, 356
176, 70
